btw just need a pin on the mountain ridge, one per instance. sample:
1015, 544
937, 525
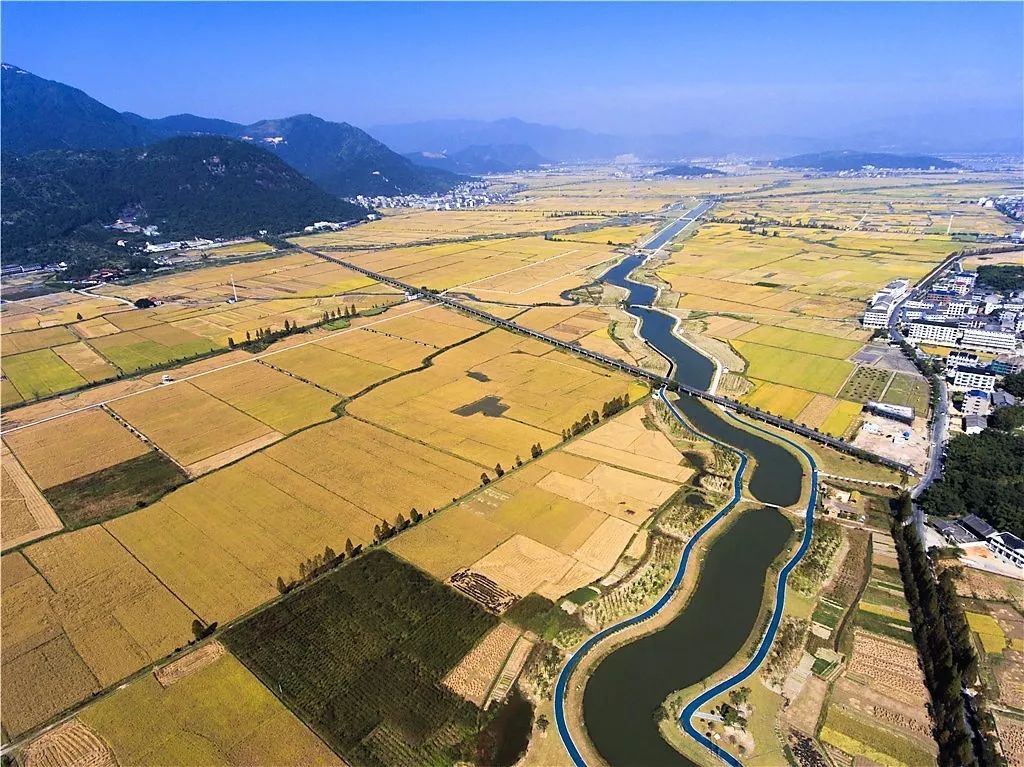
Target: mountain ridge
209, 186
344, 160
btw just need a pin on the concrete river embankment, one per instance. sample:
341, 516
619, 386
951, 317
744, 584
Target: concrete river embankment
626, 688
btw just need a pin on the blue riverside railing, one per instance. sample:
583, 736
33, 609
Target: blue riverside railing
564, 677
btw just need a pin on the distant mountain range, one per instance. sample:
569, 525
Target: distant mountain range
688, 171
56, 202
452, 136
43, 114
846, 159
482, 159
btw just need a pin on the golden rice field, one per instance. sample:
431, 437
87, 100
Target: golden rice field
218, 715
157, 414
80, 613
491, 268
220, 543
63, 449
417, 226
560, 522
26, 513
492, 398
282, 402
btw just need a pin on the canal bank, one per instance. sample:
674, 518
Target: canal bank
625, 688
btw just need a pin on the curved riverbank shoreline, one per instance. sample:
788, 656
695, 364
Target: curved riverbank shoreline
776, 479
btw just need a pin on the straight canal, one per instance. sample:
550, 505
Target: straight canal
624, 692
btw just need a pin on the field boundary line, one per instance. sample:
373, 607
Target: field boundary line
230, 365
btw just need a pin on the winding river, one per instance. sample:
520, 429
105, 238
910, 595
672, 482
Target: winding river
624, 692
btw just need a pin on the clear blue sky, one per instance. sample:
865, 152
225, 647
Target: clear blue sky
743, 68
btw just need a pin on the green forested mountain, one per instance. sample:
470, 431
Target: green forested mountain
44, 114
205, 186
847, 159
345, 160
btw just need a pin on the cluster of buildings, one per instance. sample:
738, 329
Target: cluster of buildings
974, 531
956, 313
465, 196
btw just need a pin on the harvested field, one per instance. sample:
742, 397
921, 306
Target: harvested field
411, 633
219, 714
189, 664
1010, 676
1011, 738
482, 589
887, 666
474, 675
88, 442
522, 565
511, 670
70, 744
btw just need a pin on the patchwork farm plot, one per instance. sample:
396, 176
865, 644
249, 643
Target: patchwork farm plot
173, 506
492, 398
559, 523
65, 341
794, 297
416, 226
80, 613
860, 693
518, 270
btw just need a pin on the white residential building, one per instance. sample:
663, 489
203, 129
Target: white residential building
877, 315
939, 333
1008, 547
959, 308
990, 337
978, 379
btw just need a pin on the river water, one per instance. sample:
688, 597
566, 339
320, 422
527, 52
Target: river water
624, 692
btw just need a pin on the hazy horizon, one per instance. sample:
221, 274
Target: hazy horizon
917, 74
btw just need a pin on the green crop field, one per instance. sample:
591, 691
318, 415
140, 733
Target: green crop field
909, 390
115, 490
802, 371
40, 373
799, 341
359, 656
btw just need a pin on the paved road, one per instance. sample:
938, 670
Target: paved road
940, 419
